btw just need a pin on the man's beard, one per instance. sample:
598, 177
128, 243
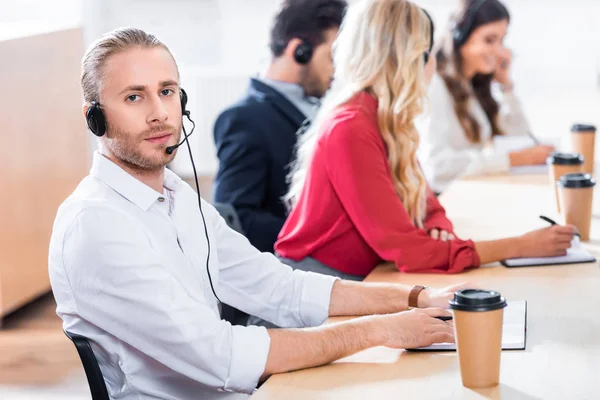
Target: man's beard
125, 146
311, 83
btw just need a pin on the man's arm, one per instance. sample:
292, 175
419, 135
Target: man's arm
304, 348
350, 298
242, 179
259, 284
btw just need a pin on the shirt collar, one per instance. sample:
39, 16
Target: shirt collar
287, 88
126, 185
295, 94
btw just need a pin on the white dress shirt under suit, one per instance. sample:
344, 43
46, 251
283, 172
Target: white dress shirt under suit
128, 270
445, 152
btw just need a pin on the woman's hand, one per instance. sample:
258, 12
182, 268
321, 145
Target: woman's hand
502, 73
547, 242
441, 235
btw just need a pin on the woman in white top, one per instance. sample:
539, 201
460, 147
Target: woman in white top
464, 116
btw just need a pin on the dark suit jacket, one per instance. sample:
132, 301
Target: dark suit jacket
255, 140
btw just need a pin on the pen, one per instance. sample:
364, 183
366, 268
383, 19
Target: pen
535, 140
445, 318
553, 222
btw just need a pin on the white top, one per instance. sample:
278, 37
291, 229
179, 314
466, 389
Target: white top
445, 152
128, 271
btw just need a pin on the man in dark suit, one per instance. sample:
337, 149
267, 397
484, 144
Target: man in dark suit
255, 138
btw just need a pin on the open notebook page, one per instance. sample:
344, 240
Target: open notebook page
575, 255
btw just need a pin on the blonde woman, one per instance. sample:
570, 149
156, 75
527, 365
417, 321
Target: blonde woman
464, 115
357, 193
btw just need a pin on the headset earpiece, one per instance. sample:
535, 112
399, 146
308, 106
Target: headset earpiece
427, 54
460, 31
184, 100
303, 53
96, 121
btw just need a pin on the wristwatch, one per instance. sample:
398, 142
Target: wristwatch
413, 297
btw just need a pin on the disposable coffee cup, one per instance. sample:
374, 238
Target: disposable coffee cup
584, 137
561, 164
478, 329
576, 195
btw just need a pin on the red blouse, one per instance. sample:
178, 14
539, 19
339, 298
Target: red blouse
349, 216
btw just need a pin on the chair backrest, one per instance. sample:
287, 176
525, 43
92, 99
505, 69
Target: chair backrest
230, 216
90, 365
229, 313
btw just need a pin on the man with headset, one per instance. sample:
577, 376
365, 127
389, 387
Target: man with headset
138, 262
255, 137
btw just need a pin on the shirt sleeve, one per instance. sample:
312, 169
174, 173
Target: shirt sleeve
512, 118
120, 284
443, 153
259, 284
358, 169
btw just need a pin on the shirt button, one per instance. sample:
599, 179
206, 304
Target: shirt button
161, 199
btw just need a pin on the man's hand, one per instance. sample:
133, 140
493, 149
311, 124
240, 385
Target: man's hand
440, 297
441, 235
415, 328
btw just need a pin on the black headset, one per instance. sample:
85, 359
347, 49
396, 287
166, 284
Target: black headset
461, 31
427, 54
96, 122
303, 53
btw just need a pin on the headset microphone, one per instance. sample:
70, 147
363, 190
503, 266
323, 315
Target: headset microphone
171, 149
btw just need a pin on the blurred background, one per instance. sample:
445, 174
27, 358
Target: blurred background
218, 44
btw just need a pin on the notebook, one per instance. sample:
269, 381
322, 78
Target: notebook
575, 255
529, 170
514, 330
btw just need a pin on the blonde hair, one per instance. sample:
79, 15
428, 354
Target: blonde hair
107, 45
380, 50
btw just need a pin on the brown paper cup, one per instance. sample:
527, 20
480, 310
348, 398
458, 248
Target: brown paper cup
576, 206
584, 137
478, 329
556, 171
479, 344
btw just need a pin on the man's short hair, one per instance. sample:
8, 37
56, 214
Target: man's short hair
107, 45
306, 20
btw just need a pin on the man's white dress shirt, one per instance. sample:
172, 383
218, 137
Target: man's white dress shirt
128, 270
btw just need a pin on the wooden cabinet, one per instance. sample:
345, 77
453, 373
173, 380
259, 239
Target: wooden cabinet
44, 153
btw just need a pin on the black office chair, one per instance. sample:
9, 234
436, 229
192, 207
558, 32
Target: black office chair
230, 216
90, 365
228, 313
